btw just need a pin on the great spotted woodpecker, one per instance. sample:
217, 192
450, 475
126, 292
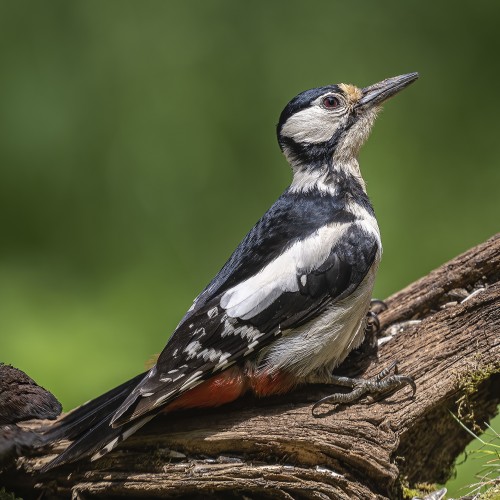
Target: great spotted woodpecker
290, 303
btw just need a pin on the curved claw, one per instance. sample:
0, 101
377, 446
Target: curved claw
382, 383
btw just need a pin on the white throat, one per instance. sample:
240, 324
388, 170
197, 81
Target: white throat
324, 178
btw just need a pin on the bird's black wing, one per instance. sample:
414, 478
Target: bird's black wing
293, 217
303, 254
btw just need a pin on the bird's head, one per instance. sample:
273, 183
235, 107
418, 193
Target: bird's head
326, 126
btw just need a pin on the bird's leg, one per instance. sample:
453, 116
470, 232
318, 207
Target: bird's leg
383, 383
377, 306
372, 329
372, 326
372, 322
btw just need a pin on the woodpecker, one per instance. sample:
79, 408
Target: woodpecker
290, 303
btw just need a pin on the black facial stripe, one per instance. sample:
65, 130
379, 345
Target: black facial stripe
314, 155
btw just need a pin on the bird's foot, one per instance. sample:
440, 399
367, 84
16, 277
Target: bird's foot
383, 383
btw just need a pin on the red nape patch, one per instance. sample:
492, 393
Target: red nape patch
218, 390
266, 384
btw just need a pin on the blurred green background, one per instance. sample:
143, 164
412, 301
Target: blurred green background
137, 147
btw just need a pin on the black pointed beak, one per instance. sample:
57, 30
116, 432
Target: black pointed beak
381, 91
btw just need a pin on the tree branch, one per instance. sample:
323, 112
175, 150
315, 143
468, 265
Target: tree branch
275, 448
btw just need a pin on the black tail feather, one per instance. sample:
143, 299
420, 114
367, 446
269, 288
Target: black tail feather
96, 442
90, 426
86, 445
87, 415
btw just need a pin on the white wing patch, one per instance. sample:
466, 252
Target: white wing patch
255, 294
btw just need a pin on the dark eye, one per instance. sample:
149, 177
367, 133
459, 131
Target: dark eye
331, 102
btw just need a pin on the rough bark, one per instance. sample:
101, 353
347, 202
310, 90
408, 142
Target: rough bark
275, 448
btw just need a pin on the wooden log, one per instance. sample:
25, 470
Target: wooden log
276, 448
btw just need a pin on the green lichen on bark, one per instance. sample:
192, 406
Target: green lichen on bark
419, 490
468, 384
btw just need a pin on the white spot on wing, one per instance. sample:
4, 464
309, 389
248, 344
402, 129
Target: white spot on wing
212, 313
192, 349
191, 380
247, 332
223, 361
193, 384
216, 368
250, 348
303, 280
164, 397
210, 354
199, 332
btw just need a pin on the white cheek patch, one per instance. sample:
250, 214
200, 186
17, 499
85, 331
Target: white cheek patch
311, 125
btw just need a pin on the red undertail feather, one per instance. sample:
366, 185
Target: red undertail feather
218, 390
229, 386
266, 384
